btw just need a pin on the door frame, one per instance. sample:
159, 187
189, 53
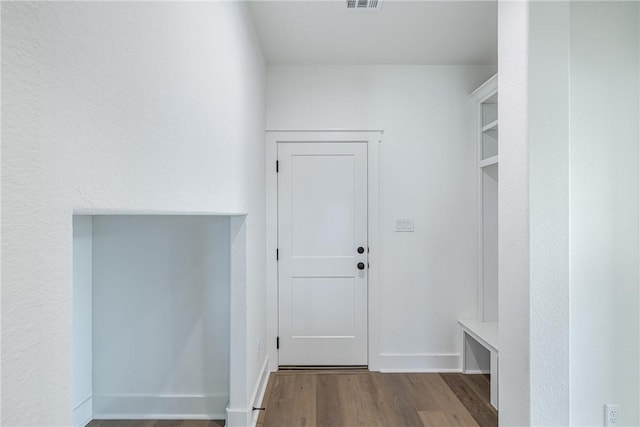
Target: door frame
372, 138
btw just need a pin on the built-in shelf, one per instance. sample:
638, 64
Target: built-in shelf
490, 126
488, 162
486, 97
484, 329
486, 333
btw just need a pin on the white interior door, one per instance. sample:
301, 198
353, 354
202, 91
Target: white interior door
322, 245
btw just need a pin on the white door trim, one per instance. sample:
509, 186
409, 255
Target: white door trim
373, 140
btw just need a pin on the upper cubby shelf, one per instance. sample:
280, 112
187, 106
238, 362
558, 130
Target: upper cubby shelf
490, 161
491, 126
486, 97
488, 92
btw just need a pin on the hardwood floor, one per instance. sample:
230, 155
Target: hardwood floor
362, 398
468, 388
155, 423
372, 399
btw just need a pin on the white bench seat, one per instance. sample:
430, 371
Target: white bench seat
486, 334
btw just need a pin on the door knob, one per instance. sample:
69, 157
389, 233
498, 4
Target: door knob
360, 250
361, 266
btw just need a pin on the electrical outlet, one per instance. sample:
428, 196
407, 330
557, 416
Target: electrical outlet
611, 414
259, 345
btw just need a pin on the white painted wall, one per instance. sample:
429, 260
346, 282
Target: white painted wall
513, 215
579, 82
160, 316
82, 320
490, 183
604, 83
152, 106
549, 194
427, 171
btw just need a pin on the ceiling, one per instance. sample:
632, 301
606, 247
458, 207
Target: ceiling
402, 32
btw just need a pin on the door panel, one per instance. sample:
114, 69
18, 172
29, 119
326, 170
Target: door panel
325, 203
315, 310
322, 220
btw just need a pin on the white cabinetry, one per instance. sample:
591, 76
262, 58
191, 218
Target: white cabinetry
487, 98
483, 331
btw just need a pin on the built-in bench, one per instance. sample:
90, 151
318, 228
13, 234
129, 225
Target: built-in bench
486, 334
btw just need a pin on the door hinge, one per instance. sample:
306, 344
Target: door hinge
277, 166
277, 343
277, 254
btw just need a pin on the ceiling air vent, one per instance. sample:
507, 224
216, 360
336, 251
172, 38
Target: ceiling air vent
364, 4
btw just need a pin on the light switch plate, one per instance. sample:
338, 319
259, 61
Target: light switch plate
404, 224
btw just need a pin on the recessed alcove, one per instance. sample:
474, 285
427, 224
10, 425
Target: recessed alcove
152, 298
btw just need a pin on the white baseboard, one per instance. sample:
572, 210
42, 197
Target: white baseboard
159, 406
477, 371
245, 417
83, 413
259, 390
238, 418
430, 363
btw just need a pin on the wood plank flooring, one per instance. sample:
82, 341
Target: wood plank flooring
155, 423
370, 399
362, 398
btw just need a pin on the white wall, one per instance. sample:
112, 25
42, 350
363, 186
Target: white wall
153, 106
584, 93
490, 183
161, 316
549, 144
604, 83
513, 215
427, 171
82, 320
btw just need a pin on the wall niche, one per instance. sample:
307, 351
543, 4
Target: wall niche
151, 316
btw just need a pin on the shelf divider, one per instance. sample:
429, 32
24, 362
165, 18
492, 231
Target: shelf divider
490, 126
488, 162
